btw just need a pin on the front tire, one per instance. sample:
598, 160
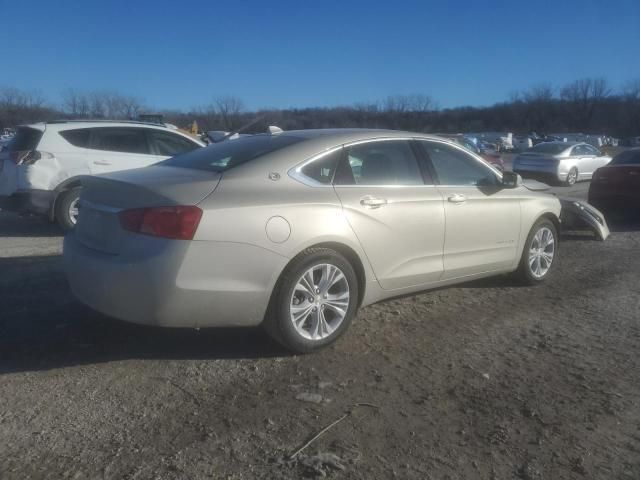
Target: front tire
66, 209
540, 253
314, 301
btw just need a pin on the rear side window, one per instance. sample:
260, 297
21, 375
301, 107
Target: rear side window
380, 163
230, 153
26, 139
126, 140
77, 138
170, 144
323, 169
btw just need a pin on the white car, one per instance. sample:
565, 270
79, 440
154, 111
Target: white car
41, 168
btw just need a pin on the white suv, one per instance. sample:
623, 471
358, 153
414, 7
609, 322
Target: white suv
40, 169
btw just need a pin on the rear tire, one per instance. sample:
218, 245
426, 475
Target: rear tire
306, 319
540, 253
66, 208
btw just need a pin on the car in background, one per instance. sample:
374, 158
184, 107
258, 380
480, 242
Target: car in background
564, 162
616, 186
482, 149
41, 167
297, 230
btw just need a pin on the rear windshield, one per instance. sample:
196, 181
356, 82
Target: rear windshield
229, 153
631, 157
25, 139
552, 148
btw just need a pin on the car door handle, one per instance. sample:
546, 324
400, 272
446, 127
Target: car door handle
457, 198
372, 202
101, 162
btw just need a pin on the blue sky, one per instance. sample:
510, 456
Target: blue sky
179, 54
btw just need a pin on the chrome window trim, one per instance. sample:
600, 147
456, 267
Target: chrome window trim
296, 172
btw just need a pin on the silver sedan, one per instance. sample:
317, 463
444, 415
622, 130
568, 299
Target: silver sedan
297, 230
565, 162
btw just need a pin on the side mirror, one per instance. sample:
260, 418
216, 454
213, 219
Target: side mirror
511, 180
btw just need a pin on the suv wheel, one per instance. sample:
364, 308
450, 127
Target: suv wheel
66, 210
314, 302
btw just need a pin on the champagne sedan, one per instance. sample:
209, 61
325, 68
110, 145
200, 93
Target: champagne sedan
297, 230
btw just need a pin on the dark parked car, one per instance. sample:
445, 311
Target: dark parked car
616, 186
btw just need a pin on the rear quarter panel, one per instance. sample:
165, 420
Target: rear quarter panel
249, 208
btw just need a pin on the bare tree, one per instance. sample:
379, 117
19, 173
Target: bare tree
228, 108
584, 96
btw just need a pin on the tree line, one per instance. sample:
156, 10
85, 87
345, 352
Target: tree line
588, 105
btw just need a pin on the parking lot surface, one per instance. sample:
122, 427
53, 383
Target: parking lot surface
485, 380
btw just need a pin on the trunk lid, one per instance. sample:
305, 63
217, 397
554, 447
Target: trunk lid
104, 196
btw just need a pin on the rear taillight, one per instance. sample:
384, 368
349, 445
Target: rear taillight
28, 157
178, 223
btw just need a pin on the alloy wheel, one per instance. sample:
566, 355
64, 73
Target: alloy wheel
74, 211
319, 301
541, 252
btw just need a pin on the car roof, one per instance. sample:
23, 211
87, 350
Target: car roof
345, 135
69, 124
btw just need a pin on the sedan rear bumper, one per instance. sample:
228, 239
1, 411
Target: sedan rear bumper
175, 283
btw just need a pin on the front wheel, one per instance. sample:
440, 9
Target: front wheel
315, 300
66, 209
540, 253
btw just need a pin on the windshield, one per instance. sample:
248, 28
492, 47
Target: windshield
552, 148
224, 155
631, 157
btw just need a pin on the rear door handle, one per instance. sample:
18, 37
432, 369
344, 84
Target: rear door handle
372, 202
457, 198
101, 162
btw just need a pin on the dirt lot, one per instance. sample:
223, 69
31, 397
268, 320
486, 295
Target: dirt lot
488, 380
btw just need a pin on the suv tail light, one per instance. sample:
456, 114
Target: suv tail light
178, 223
28, 157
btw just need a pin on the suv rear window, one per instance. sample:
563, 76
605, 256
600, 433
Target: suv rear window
26, 139
78, 137
222, 156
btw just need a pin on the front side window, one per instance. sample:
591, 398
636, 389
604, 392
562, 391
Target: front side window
455, 167
126, 140
389, 162
169, 144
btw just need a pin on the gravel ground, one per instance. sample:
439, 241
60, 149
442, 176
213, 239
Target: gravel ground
486, 380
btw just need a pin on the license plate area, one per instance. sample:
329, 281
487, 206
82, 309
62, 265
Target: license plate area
98, 229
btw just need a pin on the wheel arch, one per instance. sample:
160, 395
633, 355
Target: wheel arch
63, 186
346, 251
